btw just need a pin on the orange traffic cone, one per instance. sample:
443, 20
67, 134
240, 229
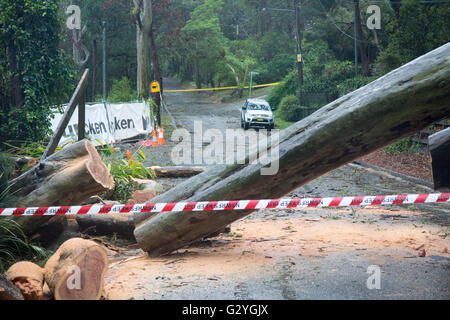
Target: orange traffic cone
160, 136
154, 140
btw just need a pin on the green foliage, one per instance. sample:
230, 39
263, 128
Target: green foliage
123, 167
290, 109
14, 246
6, 168
35, 73
404, 145
121, 91
288, 86
276, 69
204, 38
352, 84
417, 30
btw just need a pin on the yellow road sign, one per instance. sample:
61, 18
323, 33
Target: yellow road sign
155, 87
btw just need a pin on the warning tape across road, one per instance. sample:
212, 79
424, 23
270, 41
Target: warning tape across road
222, 88
230, 205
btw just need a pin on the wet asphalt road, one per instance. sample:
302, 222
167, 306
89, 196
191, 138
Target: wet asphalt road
337, 275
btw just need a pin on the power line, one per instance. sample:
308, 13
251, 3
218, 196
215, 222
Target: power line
337, 27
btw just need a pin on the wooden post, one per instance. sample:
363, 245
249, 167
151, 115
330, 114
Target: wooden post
76, 97
82, 116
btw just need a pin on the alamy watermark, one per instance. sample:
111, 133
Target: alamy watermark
236, 146
374, 20
374, 280
74, 280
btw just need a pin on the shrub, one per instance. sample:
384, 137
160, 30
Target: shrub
352, 84
6, 168
287, 87
123, 170
14, 246
121, 91
290, 110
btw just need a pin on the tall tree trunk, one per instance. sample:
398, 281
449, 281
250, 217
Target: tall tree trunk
198, 80
157, 74
18, 98
94, 69
362, 48
143, 28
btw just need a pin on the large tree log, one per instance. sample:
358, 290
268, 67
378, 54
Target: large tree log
439, 146
76, 270
65, 178
177, 171
29, 278
392, 107
121, 224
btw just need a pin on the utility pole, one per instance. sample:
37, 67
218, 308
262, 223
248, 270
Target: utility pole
299, 37
104, 59
356, 40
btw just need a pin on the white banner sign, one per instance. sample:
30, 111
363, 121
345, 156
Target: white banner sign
108, 124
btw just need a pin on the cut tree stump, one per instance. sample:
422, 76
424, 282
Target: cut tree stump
8, 291
29, 278
439, 146
177, 171
65, 178
121, 224
76, 270
390, 108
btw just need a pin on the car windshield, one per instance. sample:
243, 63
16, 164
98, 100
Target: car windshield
252, 106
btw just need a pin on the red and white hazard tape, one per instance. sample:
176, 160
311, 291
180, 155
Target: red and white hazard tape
230, 205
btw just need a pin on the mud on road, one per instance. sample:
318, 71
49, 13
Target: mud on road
298, 254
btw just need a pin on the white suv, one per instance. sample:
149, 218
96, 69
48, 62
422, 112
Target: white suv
256, 113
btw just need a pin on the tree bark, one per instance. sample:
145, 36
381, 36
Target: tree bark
177, 171
65, 178
157, 75
390, 108
143, 27
76, 270
121, 224
362, 47
18, 97
94, 69
29, 278
8, 291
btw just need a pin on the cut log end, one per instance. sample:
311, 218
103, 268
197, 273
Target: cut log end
97, 168
92, 266
29, 278
76, 270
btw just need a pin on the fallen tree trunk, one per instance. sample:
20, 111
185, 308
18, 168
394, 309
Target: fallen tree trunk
390, 108
76, 270
439, 146
176, 171
29, 278
65, 178
8, 291
47, 232
121, 224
